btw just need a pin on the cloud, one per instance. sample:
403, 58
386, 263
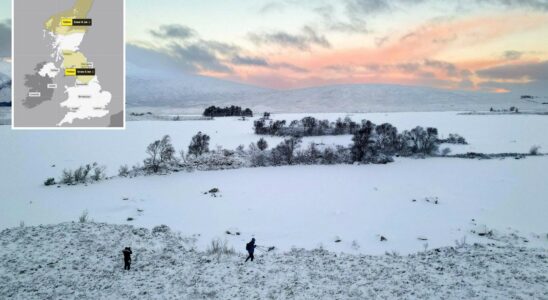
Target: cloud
272, 7
303, 41
249, 61
354, 25
173, 31
367, 7
523, 71
512, 55
449, 68
5, 39
519, 4
199, 57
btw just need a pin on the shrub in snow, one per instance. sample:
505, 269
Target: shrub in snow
219, 247
363, 143
284, 153
445, 151
84, 217
67, 177
98, 173
160, 229
216, 160
214, 190
160, 154
534, 150
199, 144
81, 173
454, 138
49, 181
262, 144
123, 171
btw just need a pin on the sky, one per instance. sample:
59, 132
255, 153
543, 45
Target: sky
493, 46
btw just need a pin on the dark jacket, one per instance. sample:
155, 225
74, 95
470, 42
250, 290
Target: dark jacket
127, 254
250, 247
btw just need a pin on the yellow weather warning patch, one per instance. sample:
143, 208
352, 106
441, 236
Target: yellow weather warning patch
70, 72
66, 22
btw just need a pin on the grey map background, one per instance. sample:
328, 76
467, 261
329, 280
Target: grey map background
103, 45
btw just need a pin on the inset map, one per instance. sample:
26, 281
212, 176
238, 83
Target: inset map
68, 64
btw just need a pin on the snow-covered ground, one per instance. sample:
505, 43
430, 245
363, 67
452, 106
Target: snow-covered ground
84, 261
302, 206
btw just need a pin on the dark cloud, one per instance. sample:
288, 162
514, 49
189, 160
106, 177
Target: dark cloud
512, 55
199, 58
449, 68
249, 61
531, 71
303, 41
289, 67
5, 39
354, 25
173, 31
408, 67
367, 7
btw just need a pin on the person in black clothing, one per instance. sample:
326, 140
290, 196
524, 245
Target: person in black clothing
250, 247
127, 257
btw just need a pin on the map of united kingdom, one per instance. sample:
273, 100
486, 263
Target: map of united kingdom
68, 64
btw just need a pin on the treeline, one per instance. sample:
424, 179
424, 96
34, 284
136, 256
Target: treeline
232, 111
307, 126
310, 126
371, 143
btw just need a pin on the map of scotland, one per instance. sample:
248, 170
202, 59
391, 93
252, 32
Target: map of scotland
68, 64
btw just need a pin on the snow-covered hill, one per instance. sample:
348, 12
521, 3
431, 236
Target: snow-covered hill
84, 261
155, 81
5, 88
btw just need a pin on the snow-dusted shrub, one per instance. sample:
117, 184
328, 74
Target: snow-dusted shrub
123, 171
460, 243
284, 153
219, 247
534, 150
454, 138
199, 144
258, 157
160, 229
216, 160
84, 217
445, 151
98, 173
160, 154
262, 144
81, 173
49, 181
67, 177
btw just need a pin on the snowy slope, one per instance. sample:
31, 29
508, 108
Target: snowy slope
5, 88
84, 261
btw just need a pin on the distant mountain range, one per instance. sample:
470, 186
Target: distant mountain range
153, 81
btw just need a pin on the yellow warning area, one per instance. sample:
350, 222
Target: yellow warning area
76, 60
58, 23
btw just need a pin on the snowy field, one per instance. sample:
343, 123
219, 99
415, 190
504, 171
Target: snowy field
83, 261
303, 206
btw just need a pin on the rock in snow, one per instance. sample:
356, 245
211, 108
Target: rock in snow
84, 261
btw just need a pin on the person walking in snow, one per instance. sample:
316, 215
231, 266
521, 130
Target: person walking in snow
250, 247
127, 257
